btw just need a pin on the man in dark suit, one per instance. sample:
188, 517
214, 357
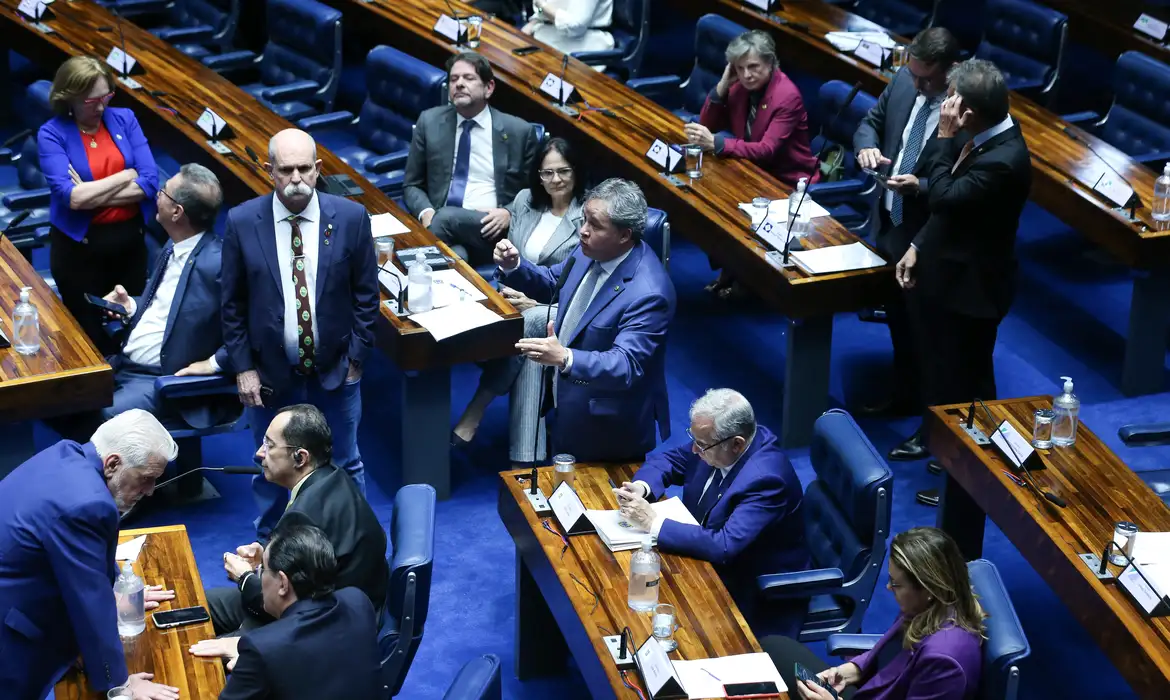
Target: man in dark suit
300, 298
963, 260
59, 514
746, 496
295, 457
608, 343
898, 135
467, 161
324, 641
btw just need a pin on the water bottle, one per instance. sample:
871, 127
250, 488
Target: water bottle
418, 285
644, 576
1161, 204
794, 204
1067, 408
129, 594
26, 325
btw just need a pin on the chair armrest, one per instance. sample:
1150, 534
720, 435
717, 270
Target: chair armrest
202, 34
27, 199
380, 165
172, 387
1153, 158
144, 6
232, 60
842, 645
658, 87
799, 583
393, 188
326, 121
592, 57
290, 92
841, 188
1145, 435
5, 156
1079, 117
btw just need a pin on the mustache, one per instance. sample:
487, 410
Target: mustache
300, 188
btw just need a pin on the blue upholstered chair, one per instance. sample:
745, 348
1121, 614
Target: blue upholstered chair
298, 72
479, 679
1003, 650
712, 35
1150, 435
849, 198
847, 523
657, 235
905, 17
200, 28
631, 32
1026, 41
412, 543
30, 191
219, 388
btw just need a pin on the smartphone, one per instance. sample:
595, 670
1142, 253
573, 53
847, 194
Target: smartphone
182, 616
803, 674
765, 689
107, 305
525, 50
882, 180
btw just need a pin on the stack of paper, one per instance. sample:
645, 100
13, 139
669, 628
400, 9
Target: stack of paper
705, 678
809, 209
849, 41
455, 319
619, 535
386, 225
836, 258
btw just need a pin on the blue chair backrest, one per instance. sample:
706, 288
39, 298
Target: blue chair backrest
905, 17
841, 129
630, 27
412, 541
1006, 645
398, 88
36, 112
1025, 40
1139, 120
479, 679
221, 15
304, 43
657, 234
712, 35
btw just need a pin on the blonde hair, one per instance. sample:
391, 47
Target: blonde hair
932, 562
74, 79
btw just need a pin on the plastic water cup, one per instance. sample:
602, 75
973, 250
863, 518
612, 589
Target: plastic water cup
1124, 538
759, 209
898, 58
1042, 428
564, 469
664, 626
384, 247
474, 30
694, 156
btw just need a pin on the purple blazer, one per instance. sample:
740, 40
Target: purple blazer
60, 145
944, 666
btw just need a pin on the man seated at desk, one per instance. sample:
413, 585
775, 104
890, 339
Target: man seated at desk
747, 498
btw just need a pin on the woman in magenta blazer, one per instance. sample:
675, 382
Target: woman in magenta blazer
103, 182
933, 648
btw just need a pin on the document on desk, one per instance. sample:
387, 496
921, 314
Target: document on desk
849, 41
451, 320
619, 535
836, 258
130, 549
779, 207
450, 287
705, 678
1151, 553
386, 225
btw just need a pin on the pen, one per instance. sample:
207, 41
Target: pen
1013, 477
611, 484
711, 674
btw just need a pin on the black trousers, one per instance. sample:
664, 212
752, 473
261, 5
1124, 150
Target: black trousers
902, 317
108, 255
957, 352
229, 617
786, 653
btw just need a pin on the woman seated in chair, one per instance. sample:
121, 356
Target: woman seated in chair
572, 25
546, 218
932, 649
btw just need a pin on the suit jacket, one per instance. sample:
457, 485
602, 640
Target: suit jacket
324, 648
524, 220
60, 146
58, 532
432, 157
944, 666
966, 250
253, 299
615, 392
780, 140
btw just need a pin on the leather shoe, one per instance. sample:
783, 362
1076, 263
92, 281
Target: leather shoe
934, 467
891, 407
877, 315
928, 497
911, 450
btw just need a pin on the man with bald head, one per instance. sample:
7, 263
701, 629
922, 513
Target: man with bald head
300, 295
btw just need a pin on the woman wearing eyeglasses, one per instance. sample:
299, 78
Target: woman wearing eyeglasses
103, 181
546, 218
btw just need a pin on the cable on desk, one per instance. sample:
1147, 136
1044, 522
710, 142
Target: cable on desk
632, 686
596, 598
565, 540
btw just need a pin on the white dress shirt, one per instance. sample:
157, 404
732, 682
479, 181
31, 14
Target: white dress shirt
607, 269
931, 127
540, 235
580, 25
310, 227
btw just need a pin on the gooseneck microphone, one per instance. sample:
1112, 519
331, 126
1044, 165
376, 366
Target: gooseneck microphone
1047, 495
458, 28
1134, 200
564, 71
252, 154
17, 220
225, 470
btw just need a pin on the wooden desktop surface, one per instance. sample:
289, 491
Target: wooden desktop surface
68, 374
190, 87
1108, 26
166, 558
1099, 490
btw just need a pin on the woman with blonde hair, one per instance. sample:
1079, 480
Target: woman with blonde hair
933, 648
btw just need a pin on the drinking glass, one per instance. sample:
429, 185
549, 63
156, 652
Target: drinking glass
384, 247
664, 626
1042, 428
759, 209
898, 58
564, 469
120, 693
474, 30
1124, 538
694, 156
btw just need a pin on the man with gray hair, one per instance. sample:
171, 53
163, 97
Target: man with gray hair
608, 343
59, 515
744, 493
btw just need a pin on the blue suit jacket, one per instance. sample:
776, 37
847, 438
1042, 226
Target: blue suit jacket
253, 299
610, 399
325, 648
58, 532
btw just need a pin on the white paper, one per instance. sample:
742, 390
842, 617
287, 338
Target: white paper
696, 675
760, 4
870, 53
1151, 26
448, 27
849, 41
620, 535
655, 666
1014, 446
129, 550
386, 225
808, 208
554, 87
1113, 188
123, 63
663, 155
211, 123
836, 258
455, 319
33, 9
1151, 548
566, 505
449, 287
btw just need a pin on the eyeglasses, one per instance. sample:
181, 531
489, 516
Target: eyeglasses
104, 99
270, 446
547, 175
713, 445
168, 195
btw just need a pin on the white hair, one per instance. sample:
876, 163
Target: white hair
135, 435
729, 410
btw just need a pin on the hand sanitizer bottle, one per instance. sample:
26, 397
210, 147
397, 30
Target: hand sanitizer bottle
1067, 408
645, 573
418, 281
795, 204
26, 325
130, 597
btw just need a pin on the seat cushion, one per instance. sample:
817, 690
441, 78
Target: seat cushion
195, 51
824, 610
291, 111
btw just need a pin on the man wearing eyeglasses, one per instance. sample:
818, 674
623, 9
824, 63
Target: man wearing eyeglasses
746, 496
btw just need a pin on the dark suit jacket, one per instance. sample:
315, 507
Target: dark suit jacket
966, 250
58, 532
326, 648
331, 501
432, 157
253, 299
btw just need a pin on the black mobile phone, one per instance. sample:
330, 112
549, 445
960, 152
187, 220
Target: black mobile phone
182, 616
107, 305
525, 50
764, 689
803, 674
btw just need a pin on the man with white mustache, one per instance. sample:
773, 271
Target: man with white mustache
300, 297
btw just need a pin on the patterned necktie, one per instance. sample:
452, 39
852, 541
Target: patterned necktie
910, 152
301, 290
462, 167
967, 148
753, 103
710, 497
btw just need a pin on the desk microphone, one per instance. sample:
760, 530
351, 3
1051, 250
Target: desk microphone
17, 220
252, 154
564, 70
225, 470
546, 378
1134, 201
459, 35
125, 73
16, 137
1047, 495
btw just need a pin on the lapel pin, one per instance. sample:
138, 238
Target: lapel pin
504, 136
328, 230
763, 106
616, 288
118, 136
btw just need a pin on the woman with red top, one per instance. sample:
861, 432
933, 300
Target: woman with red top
103, 181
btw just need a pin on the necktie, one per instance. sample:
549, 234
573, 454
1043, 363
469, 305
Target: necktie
967, 148
301, 290
710, 497
910, 152
753, 103
163, 260
462, 167
577, 306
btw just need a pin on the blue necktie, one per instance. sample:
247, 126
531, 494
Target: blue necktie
710, 497
155, 281
910, 153
462, 167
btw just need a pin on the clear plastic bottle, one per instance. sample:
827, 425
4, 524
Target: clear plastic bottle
1067, 408
795, 204
645, 573
1161, 205
26, 325
418, 285
129, 594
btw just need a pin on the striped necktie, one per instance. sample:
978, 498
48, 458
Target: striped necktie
305, 348
910, 153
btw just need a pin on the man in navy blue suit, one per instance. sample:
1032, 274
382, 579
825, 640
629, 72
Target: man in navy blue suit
608, 343
747, 498
300, 298
59, 515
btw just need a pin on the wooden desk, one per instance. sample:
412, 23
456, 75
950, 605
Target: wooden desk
189, 88
581, 593
165, 558
1099, 490
1064, 171
1108, 26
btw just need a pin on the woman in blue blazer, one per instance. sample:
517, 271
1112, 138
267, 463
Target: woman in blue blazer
103, 183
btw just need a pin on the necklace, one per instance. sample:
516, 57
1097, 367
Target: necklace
92, 137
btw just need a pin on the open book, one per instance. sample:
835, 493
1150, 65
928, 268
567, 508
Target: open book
619, 535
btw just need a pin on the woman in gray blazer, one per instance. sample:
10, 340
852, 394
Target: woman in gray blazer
546, 218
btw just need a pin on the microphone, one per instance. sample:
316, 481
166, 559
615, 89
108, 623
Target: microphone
564, 70
251, 154
1047, 495
459, 35
15, 137
17, 220
1134, 200
122, 38
546, 379
225, 470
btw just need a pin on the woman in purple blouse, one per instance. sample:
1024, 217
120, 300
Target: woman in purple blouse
933, 648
